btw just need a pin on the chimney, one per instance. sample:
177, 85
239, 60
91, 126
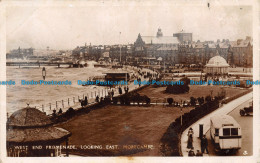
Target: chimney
239, 41
248, 38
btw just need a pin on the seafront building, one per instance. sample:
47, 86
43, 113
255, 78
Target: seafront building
175, 49
181, 49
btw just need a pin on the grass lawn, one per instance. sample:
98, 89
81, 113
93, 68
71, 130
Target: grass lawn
195, 91
131, 125
122, 125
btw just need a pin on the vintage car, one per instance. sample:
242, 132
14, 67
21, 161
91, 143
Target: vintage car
246, 111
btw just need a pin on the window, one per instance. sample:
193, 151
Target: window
234, 131
226, 131
216, 132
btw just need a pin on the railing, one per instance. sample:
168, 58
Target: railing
74, 102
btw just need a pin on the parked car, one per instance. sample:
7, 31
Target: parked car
246, 111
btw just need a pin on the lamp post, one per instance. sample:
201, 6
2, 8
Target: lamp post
120, 45
164, 69
201, 75
211, 91
43, 73
181, 105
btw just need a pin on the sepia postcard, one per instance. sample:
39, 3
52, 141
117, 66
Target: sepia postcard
130, 81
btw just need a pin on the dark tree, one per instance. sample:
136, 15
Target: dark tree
185, 80
147, 100
208, 98
200, 100
170, 101
177, 89
192, 101
115, 100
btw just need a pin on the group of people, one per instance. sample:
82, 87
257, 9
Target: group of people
125, 88
204, 144
191, 153
111, 93
84, 102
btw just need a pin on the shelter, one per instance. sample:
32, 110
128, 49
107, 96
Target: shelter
117, 76
30, 133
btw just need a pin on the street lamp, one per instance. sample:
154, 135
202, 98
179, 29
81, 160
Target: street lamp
201, 75
181, 105
43, 73
211, 91
120, 45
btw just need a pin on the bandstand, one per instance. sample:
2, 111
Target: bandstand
217, 66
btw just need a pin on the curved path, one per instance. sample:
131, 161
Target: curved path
225, 109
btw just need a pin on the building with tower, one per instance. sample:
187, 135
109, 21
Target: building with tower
159, 33
183, 37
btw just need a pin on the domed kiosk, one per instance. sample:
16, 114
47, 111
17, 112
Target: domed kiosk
217, 65
30, 133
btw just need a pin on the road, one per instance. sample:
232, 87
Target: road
231, 108
246, 123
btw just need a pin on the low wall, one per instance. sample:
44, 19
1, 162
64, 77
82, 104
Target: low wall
86, 109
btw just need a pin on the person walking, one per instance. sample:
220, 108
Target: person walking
112, 93
204, 144
120, 90
125, 90
190, 141
139, 81
109, 94
86, 101
190, 132
97, 98
60, 111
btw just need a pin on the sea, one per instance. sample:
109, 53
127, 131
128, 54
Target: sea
45, 96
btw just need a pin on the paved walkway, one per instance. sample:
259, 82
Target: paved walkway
225, 109
91, 100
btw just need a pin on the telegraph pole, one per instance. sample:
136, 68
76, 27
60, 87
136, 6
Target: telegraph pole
120, 45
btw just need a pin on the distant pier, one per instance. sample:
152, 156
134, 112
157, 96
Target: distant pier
58, 64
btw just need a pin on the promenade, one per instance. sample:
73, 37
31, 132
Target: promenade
225, 109
100, 91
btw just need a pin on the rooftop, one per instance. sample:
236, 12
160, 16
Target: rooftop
28, 117
36, 134
160, 40
31, 125
217, 61
219, 121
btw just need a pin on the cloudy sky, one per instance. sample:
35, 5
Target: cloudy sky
65, 27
